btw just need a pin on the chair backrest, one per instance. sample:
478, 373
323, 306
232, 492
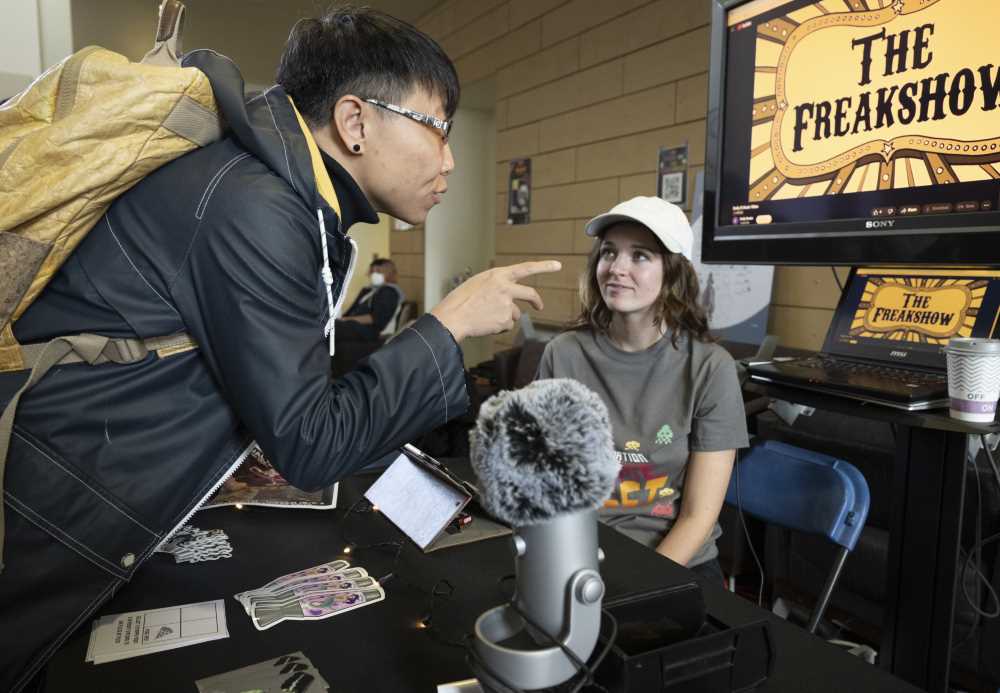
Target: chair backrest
392, 326
802, 490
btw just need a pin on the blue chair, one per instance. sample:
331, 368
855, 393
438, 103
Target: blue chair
804, 491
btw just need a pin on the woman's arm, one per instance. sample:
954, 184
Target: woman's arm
704, 492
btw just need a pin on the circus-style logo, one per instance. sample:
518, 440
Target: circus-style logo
928, 310
862, 95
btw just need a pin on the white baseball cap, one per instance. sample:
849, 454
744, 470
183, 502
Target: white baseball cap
666, 220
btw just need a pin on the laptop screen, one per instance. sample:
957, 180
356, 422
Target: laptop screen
906, 316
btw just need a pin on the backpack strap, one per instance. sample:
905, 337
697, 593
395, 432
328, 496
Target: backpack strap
82, 348
167, 47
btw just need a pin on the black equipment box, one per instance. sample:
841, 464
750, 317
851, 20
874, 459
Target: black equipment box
662, 648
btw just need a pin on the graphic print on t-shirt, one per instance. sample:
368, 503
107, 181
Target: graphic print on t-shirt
642, 484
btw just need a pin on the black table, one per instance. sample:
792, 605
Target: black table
380, 648
925, 530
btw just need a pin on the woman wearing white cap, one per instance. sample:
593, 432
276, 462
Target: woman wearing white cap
642, 343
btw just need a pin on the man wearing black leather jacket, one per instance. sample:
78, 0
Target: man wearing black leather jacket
243, 246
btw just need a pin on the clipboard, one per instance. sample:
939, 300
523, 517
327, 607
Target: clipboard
422, 497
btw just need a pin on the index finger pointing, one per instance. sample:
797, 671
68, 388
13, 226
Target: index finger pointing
526, 269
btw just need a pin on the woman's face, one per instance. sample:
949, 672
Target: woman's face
630, 268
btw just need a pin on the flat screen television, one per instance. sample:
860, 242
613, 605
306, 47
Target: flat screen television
853, 132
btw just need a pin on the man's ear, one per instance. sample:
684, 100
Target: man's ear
349, 122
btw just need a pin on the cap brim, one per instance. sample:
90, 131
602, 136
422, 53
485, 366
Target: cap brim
603, 221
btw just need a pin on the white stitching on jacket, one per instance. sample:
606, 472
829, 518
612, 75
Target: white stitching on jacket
57, 533
291, 180
107, 220
95, 491
214, 182
444, 392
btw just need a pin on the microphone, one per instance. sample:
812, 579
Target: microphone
545, 461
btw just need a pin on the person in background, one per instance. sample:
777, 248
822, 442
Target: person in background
642, 343
376, 306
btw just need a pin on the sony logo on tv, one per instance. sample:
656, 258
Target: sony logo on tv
887, 224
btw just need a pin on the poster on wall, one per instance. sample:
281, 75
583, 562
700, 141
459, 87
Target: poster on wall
671, 174
519, 192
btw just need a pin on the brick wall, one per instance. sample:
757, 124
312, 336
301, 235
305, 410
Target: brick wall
406, 248
590, 90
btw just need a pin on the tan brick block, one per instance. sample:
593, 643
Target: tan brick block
488, 59
434, 23
799, 328
643, 27
479, 32
541, 238
413, 288
633, 154
408, 241
807, 287
502, 176
560, 306
501, 115
466, 12
642, 184
409, 264
572, 201
553, 169
523, 11
667, 61
517, 143
502, 342
566, 278
569, 93
578, 16
548, 65
692, 98
646, 110
453, 15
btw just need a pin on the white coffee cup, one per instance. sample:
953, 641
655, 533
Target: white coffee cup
973, 378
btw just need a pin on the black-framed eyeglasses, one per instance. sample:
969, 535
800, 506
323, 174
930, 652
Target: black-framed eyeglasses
443, 125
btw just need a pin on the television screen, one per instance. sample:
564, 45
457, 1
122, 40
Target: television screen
854, 131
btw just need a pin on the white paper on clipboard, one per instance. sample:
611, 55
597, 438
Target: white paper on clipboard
419, 502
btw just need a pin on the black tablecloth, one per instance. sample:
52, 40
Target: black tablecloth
380, 648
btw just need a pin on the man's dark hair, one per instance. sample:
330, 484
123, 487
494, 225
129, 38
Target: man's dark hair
382, 262
360, 51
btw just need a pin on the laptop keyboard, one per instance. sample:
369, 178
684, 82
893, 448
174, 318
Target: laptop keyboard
845, 369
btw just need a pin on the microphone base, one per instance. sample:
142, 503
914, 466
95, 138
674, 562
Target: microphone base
541, 666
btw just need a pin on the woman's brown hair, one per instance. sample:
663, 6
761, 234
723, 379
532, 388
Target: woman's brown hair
678, 306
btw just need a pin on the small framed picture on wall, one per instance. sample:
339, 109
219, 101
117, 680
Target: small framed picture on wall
519, 192
671, 174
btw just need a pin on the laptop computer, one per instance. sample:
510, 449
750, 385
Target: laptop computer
885, 342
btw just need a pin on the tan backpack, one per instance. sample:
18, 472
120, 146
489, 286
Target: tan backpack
79, 136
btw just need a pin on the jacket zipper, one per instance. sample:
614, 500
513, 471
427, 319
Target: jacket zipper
215, 487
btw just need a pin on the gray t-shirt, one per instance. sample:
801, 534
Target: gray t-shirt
664, 403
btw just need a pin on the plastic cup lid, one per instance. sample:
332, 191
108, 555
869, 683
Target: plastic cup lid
972, 345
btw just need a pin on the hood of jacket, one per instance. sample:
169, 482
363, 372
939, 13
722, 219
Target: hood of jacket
271, 128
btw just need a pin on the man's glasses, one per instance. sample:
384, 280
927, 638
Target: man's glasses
443, 125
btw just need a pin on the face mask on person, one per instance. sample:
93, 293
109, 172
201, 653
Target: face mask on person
377, 278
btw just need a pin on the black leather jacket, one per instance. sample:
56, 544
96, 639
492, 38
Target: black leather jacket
224, 244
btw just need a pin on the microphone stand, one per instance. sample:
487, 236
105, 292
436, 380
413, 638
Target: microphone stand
559, 592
